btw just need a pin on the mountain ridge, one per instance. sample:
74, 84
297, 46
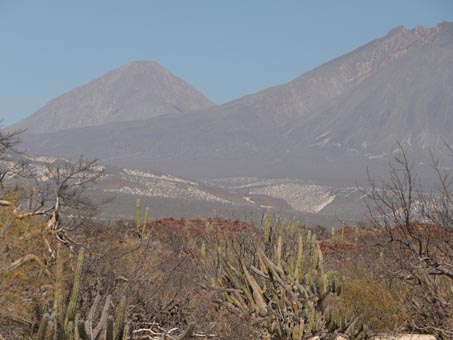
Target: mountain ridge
344, 113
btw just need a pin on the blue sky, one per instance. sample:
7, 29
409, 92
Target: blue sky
226, 49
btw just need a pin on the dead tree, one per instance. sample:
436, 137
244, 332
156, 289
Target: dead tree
419, 228
54, 190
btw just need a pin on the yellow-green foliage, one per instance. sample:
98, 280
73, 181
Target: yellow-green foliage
26, 275
376, 306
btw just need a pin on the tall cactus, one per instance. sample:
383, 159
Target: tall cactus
137, 214
60, 324
65, 324
43, 325
141, 228
105, 329
70, 313
300, 249
268, 228
203, 253
120, 330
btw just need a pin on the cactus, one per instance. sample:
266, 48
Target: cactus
284, 283
105, 328
268, 228
137, 214
300, 249
141, 228
203, 253
278, 251
60, 324
119, 329
59, 289
42, 331
70, 313
65, 324
145, 221
125, 333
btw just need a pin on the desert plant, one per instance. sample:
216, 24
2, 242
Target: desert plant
419, 230
26, 264
64, 323
141, 228
367, 307
283, 284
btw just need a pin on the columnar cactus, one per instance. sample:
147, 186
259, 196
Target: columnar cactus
65, 324
268, 228
284, 284
141, 228
137, 214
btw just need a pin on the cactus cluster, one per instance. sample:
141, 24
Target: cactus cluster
284, 284
106, 328
141, 228
63, 323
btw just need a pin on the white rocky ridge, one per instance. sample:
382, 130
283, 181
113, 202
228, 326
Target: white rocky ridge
139, 173
302, 197
164, 186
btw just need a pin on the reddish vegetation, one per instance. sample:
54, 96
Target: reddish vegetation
329, 246
421, 229
222, 227
103, 237
216, 222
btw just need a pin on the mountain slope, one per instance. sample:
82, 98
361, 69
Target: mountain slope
328, 123
409, 100
138, 90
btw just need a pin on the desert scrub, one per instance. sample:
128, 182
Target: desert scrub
370, 306
26, 264
65, 322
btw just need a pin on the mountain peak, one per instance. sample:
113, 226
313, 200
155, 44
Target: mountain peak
419, 32
395, 30
136, 91
143, 65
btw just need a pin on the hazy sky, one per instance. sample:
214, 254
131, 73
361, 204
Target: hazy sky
225, 49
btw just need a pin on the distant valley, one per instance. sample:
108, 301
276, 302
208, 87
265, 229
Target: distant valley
243, 197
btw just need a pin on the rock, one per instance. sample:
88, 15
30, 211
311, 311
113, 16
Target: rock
405, 337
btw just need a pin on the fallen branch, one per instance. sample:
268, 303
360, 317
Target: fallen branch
19, 262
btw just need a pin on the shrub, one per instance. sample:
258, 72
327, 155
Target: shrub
26, 266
